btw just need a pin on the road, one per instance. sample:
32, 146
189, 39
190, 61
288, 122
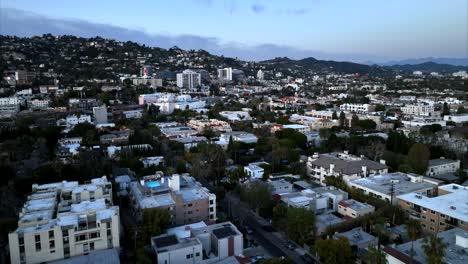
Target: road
272, 243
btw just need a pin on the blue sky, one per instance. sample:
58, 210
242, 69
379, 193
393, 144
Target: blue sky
393, 29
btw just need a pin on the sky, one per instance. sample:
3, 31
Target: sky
328, 29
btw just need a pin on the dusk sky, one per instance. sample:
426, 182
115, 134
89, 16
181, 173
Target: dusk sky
355, 30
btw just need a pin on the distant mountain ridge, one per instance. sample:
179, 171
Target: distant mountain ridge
449, 61
428, 67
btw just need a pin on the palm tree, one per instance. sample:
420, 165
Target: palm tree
414, 230
376, 256
434, 248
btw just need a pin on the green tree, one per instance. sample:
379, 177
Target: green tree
445, 109
418, 158
414, 230
354, 121
342, 119
380, 108
376, 256
300, 224
434, 248
334, 115
334, 251
154, 222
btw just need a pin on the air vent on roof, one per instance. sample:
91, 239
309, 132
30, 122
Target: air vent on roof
454, 187
418, 196
453, 207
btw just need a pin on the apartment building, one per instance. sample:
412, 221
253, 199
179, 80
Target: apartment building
320, 200
198, 243
343, 165
186, 199
9, 106
358, 108
382, 185
235, 116
254, 170
442, 166
354, 209
447, 210
65, 219
280, 186
419, 109
188, 79
456, 246
225, 74
239, 136
213, 124
37, 104
359, 238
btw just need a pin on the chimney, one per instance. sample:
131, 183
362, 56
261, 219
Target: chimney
332, 168
315, 156
364, 171
383, 162
345, 152
187, 228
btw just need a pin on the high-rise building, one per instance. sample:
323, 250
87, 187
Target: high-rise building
225, 74
146, 71
65, 219
100, 115
188, 79
260, 75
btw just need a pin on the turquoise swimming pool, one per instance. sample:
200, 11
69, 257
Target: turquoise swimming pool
152, 184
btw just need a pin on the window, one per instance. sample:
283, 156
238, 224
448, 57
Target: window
21, 240
211, 209
190, 205
91, 245
51, 234
433, 212
442, 223
432, 221
37, 238
80, 237
94, 235
197, 254
52, 244
211, 201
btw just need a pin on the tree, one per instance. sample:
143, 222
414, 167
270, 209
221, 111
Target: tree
434, 248
376, 256
354, 121
342, 119
418, 158
380, 108
300, 224
334, 115
445, 109
334, 251
414, 230
154, 222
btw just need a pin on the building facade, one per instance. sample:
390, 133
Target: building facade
65, 219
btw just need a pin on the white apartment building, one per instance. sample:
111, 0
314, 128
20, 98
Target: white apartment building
225, 74
188, 79
442, 166
260, 75
133, 114
254, 170
38, 104
239, 136
152, 161
380, 186
320, 200
65, 219
343, 165
9, 106
419, 109
297, 127
457, 118
198, 243
358, 108
213, 124
73, 120
280, 186
354, 209
234, 116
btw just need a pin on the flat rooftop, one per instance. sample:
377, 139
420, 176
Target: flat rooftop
383, 182
453, 204
454, 254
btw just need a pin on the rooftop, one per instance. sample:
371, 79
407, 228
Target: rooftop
453, 204
403, 183
454, 253
441, 161
356, 236
345, 163
355, 205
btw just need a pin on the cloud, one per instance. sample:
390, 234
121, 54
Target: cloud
26, 24
258, 8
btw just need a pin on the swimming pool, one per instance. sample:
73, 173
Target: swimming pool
152, 184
